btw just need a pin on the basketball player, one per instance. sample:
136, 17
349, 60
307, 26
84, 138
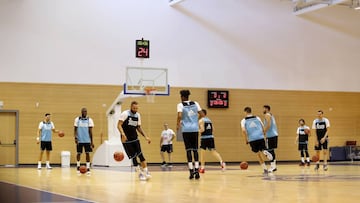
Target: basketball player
253, 132
83, 126
271, 133
128, 125
167, 136
187, 121
302, 139
207, 141
321, 126
44, 135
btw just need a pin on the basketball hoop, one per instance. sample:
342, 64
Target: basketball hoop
150, 94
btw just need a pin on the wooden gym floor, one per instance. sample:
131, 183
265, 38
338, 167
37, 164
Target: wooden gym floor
290, 183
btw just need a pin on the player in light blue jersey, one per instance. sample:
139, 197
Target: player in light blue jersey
271, 134
44, 137
83, 126
253, 132
187, 120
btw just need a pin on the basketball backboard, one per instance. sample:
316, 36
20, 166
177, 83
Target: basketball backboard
141, 79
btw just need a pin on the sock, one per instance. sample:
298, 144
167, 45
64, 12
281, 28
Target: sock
307, 159
302, 160
47, 163
87, 164
78, 163
190, 164
196, 164
145, 170
39, 163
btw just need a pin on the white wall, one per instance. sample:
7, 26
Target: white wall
252, 44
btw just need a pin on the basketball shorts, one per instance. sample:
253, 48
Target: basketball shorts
132, 148
191, 140
257, 145
322, 146
86, 146
167, 148
303, 146
207, 144
272, 142
45, 146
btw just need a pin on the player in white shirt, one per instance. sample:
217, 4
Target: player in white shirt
167, 136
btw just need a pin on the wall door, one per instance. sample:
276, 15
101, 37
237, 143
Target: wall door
9, 125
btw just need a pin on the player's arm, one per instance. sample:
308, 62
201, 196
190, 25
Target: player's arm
243, 131
91, 137
75, 135
326, 136
53, 129
173, 135
268, 122
161, 140
315, 137
38, 133
178, 121
201, 126
140, 130
121, 130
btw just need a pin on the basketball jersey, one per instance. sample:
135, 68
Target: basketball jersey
83, 125
321, 127
253, 127
46, 130
303, 137
190, 117
208, 129
167, 135
272, 131
130, 123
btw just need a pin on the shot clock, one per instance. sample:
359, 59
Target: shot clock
218, 99
142, 48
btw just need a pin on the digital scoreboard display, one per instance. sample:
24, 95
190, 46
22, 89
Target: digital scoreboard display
218, 98
142, 48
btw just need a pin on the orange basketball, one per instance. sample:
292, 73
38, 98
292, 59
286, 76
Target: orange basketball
118, 156
244, 165
314, 158
82, 169
61, 133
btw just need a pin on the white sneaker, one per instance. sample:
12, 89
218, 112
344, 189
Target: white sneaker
223, 166
48, 167
142, 177
268, 155
148, 175
39, 167
272, 167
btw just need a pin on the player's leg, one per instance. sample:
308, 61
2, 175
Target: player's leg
187, 140
202, 160
40, 158
307, 154
162, 150
169, 151
272, 146
79, 148
325, 153
143, 162
195, 146
48, 150
317, 151
216, 154
302, 155
258, 146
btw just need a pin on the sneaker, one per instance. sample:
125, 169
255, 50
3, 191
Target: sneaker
48, 167
142, 177
39, 167
272, 169
163, 164
308, 163
78, 169
268, 155
317, 167
88, 171
169, 165
302, 164
148, 175
223, 166
325, 167
191, 176
201, 170
196, 174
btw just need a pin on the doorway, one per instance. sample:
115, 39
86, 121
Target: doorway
9, 134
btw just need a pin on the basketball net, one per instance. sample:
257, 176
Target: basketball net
150, 94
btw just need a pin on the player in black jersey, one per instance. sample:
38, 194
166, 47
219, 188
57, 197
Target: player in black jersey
302, 139
321, 126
